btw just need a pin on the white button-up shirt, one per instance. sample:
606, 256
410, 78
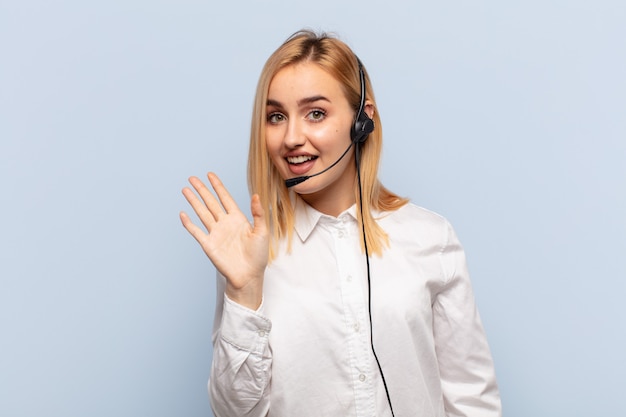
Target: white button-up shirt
306, 351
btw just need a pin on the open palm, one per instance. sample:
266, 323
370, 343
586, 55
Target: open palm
238, 249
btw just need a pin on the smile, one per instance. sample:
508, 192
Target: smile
300, 159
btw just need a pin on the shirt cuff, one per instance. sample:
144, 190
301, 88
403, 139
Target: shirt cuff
244, 328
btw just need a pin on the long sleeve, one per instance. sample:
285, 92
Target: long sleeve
466, 369
241, 367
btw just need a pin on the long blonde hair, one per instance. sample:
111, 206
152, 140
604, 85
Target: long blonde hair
336, 58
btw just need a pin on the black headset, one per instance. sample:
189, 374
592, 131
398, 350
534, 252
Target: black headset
362, 127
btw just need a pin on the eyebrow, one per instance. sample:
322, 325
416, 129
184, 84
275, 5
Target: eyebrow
301, 102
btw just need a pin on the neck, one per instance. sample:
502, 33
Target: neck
330, 207
336, 197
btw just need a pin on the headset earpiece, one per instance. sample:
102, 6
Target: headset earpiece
363, 125
362, 128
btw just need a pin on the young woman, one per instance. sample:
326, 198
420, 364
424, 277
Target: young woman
341, 299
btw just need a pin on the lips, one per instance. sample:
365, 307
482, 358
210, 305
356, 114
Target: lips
300, 164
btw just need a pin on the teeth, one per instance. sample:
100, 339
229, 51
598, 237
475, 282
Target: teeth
298, 159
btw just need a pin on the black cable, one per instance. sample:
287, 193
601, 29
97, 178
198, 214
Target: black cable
369, 286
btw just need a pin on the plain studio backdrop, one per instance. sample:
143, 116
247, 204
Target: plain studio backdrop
509, 118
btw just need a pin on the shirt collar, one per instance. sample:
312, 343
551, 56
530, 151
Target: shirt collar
306, 217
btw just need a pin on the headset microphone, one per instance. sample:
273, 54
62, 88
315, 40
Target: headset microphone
363, 126
295, 181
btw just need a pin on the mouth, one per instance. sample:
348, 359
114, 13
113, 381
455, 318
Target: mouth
300, 164
300, 159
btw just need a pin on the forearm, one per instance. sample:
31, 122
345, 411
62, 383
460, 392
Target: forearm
241, 367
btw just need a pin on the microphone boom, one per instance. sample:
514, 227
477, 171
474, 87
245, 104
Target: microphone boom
290, 182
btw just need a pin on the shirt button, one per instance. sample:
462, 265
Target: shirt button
261, 333
356, 327
349, 278
362, 377
341, 234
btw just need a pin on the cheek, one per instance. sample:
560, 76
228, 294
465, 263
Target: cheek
271, 143
330, 137
273, 146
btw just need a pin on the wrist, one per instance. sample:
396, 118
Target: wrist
250, 296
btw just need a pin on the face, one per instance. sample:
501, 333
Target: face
308, 129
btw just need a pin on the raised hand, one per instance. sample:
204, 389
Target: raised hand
239, 250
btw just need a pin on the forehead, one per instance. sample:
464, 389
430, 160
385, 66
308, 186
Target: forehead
304, 80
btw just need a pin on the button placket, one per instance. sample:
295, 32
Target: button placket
351, 266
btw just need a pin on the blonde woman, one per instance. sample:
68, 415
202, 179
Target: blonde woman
341, 298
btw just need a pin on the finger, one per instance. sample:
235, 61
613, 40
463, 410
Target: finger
203, 213
226, 199
194, 230
207, 196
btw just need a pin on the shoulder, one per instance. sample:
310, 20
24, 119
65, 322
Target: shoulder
417, 224
412, 215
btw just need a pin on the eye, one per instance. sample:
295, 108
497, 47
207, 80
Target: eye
316, 115
275, 118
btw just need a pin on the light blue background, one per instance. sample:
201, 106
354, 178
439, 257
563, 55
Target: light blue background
509, 118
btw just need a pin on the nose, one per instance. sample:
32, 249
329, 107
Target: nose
294, 135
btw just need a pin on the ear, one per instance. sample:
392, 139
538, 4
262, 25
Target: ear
369, 109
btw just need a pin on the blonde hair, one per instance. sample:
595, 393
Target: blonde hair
336, 58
